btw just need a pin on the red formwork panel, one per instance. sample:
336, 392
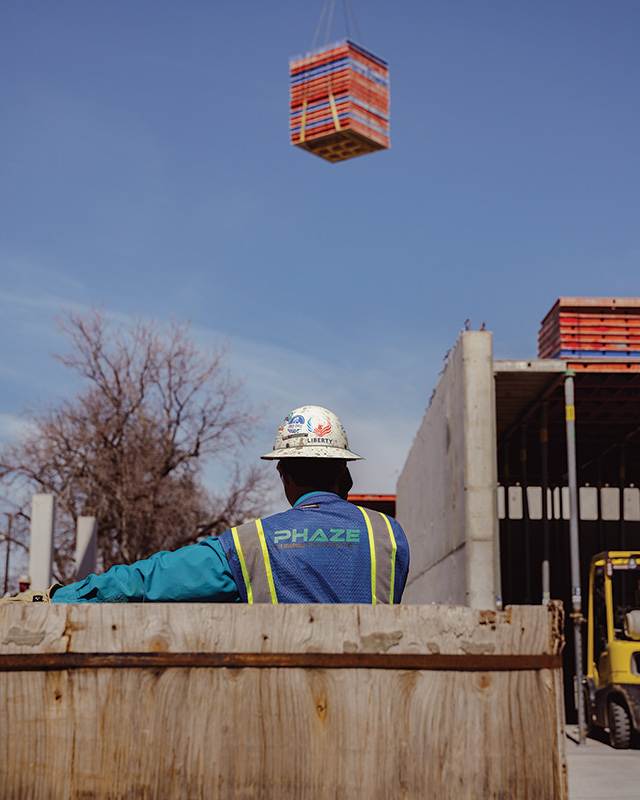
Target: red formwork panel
339, 102
603, 365
326, 55
594, 326
344, 84
349, 113
354, 89
352, 94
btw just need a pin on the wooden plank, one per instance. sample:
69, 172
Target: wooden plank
37, 662
159, 730
202, 627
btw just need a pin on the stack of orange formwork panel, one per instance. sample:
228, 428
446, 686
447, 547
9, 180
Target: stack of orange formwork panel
339, 101
591, 327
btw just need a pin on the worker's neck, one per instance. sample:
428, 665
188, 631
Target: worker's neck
294, 493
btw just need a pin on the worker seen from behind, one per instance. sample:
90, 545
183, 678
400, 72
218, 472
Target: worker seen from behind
322, 550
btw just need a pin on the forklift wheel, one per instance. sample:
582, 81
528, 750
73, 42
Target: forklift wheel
619, 725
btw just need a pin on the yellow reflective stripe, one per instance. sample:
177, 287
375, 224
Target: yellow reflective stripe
334, 111
372, 548
394, 548
243, 565
304, 120
267, 562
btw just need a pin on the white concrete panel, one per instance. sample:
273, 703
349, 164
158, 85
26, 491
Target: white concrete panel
43, 517
501, 502
566, 502
557, 503
86, 546
515, 502
443, 583
610, 502
427, 497
631, 504
446, 494
588, 500
549, 504
534, 501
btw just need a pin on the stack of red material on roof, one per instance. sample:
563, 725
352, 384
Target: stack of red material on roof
586, 327
339, 101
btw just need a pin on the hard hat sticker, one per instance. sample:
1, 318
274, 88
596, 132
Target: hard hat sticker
322, 428
297, 435
294, 427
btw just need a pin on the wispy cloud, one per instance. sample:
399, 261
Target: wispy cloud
12, 426
380, 410
379, 396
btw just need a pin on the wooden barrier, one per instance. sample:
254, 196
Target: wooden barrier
190, 701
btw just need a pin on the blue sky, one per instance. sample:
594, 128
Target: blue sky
145, 165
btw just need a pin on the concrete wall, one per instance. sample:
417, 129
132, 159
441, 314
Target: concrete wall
446, 494
43, 521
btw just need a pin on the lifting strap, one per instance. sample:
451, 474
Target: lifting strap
304, 120
334, 111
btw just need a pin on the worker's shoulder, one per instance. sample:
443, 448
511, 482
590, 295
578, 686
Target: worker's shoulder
260, 522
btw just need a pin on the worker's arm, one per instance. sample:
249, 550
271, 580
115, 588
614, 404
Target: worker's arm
197, 573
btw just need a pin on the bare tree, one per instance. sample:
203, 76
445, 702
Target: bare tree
14, 538
130, 447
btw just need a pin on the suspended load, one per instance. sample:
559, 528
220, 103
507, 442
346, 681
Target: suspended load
339, 101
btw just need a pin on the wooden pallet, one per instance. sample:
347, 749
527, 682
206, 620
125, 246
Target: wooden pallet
340, 145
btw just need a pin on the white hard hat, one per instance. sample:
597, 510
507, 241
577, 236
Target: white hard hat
24, 578
311, 432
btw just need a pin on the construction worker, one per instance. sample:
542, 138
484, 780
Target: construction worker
24, 582
322, 550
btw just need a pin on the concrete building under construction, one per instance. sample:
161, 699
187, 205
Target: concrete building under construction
485, 492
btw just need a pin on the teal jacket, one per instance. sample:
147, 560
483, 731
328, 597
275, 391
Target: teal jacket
196, 573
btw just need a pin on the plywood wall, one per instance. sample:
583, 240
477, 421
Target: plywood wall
385, 719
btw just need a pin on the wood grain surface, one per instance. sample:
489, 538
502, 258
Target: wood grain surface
287, 731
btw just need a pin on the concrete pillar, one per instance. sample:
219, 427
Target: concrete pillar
478, 470
43, 518
86, 546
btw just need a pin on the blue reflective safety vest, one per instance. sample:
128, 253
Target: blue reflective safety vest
323, 550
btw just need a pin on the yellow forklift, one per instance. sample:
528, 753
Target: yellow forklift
612, 683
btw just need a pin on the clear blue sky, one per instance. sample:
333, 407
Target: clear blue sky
146, 166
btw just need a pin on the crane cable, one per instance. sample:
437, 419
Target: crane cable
330, 6
355, 21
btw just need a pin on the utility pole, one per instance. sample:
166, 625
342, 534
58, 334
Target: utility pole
544, 457
574, 541
7, 537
